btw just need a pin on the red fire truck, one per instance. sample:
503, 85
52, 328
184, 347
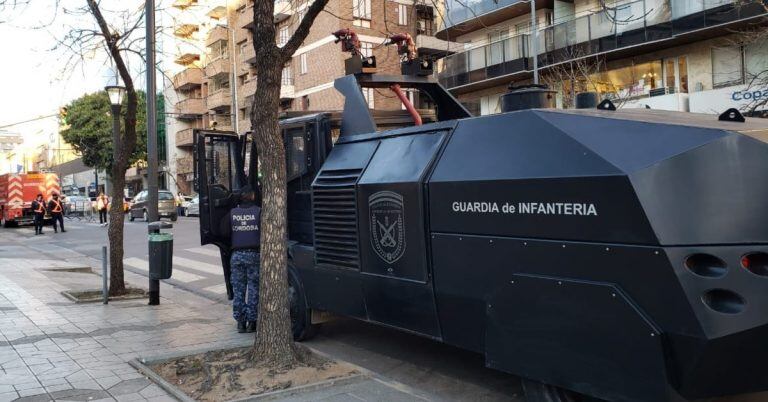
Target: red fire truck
17, 191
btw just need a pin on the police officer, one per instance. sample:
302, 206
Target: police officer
245, 225
57, 212
38, 208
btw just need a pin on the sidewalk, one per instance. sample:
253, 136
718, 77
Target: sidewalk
54, 349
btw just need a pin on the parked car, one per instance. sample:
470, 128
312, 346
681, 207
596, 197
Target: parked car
166, 206
193, 207
76, 204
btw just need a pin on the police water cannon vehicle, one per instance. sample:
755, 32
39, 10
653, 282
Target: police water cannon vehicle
612, 254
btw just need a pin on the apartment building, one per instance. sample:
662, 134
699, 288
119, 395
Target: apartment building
214, 81
664, 54
188, 23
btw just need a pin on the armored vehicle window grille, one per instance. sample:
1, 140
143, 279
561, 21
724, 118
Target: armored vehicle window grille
335, 219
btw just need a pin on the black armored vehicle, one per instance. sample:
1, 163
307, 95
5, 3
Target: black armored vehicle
614, 254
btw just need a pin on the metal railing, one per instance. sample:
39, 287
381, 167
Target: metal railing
622, 25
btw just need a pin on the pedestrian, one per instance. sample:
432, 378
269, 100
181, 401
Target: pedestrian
57, 213
102, 202
180, 204
245, 222
38, 208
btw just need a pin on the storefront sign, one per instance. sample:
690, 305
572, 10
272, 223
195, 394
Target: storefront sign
716, 101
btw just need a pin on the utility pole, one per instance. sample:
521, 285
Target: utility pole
154, 284
534, 43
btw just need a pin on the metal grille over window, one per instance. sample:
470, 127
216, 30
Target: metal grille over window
335, 219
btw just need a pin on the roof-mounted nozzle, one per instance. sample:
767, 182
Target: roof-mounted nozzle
350, 43
530, 96
410, 62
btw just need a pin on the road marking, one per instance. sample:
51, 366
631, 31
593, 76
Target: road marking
201, 266
137, 263
181, 276
219, 289
205, 251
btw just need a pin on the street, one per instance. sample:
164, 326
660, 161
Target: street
431, 367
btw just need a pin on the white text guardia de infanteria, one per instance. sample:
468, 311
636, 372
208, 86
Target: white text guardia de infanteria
525, 208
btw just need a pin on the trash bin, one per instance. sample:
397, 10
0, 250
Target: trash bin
160, 252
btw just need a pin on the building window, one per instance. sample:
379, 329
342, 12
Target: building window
303, 63
368, 95
756, 62
727, 66
287, 77
361, 11
402, 14
366, 49
282, 36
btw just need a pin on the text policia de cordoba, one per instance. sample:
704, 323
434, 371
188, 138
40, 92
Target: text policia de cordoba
526, 208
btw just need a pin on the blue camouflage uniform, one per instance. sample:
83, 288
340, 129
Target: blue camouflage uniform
245, 221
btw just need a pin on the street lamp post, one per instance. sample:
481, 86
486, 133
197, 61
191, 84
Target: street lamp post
116, 94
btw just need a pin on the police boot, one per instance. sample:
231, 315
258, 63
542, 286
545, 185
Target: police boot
241, 327
251, 326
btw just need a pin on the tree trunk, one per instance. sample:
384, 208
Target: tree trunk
274, 343
115, 232
122, 153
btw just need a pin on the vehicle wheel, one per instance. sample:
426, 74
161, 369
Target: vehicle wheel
300, 314
174, 218
145, 215
536, 391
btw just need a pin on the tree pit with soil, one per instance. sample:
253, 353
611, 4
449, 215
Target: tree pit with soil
229, 374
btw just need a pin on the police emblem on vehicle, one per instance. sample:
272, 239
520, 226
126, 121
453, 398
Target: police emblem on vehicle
387, 225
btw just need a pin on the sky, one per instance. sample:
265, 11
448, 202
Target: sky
31, 73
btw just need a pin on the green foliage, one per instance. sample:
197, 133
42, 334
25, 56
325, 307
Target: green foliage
90, 129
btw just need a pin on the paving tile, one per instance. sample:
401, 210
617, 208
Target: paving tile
58, 387
34, 391
129, 397
8, 396
108, 382
129, 386
164, 398
27, 385
88, 384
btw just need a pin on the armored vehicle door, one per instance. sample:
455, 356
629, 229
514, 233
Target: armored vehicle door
391, 197
219, 172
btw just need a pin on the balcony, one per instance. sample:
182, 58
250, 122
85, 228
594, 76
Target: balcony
217, 34
188, 79
182, 4
463, 16
187, 58
242, 35
184, 138
247, 56
217, 66
287, 92
219, 99
184, 165
245, 18
223, 122
185, 29
244, 125
431, 45
629, 24
217, 12
190, 109
283, 10
246, 90
496, 59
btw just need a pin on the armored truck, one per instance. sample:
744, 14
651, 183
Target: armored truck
611, 254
